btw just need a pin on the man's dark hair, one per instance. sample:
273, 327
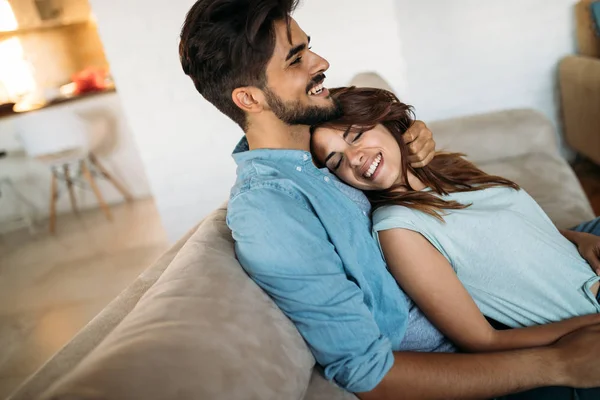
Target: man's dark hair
226, 44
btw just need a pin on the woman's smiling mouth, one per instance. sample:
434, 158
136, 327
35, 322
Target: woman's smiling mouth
373, 168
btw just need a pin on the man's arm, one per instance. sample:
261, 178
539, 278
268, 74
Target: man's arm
572, 362
285, 249
588, 246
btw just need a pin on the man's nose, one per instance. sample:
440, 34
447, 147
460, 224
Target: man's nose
319, 64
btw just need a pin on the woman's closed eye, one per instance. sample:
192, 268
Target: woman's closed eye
357, 136
334, 162
337, 164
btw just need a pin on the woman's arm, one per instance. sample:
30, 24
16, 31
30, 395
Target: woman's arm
430, 281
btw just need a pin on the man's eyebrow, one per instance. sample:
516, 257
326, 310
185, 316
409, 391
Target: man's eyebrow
297, 49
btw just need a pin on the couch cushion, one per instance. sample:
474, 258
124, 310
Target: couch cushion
551, 182
496, 135
322, 389
203, 331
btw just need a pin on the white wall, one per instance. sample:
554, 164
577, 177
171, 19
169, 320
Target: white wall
472, 56
355, 38
448, 58
184, 142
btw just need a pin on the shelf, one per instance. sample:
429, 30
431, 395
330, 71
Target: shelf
42, 27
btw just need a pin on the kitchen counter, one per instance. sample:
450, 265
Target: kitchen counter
58, 101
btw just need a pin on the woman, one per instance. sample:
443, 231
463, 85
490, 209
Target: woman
460, 242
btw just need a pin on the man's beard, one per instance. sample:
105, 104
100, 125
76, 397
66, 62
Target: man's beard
295, 113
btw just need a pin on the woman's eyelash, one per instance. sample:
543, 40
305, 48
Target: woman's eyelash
338, 164
357, 136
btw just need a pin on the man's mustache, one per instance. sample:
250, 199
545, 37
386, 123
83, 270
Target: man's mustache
315, 81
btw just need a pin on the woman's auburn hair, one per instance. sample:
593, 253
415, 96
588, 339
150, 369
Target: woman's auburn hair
365, 108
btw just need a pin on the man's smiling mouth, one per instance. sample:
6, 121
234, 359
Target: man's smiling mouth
317, 86
316, 90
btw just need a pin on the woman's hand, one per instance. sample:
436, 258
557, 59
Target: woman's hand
421, 145
588, 246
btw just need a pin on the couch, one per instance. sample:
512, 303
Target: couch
579, 81
194, 326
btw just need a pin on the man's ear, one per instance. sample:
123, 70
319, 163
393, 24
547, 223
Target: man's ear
248, 98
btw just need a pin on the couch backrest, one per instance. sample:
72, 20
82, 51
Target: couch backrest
204, 330
486, 137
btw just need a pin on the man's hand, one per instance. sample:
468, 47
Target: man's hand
578, 355
588, 246
421, 145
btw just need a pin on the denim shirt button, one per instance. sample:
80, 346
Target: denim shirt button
305, 157
299, 169
326, 179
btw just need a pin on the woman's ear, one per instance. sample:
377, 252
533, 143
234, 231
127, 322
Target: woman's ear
247, 99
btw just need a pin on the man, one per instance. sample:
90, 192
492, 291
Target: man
304, 237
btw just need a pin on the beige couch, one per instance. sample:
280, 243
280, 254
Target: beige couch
579, 79
194, 326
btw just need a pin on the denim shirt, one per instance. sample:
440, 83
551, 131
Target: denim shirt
305, 238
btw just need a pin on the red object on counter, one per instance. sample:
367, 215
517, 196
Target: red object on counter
91, 79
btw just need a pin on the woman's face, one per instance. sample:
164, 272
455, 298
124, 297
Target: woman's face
367, 160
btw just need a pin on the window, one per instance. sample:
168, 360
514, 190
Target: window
16, 77
8, 22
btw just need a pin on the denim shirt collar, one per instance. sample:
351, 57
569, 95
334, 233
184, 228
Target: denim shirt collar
242, 153
291, 158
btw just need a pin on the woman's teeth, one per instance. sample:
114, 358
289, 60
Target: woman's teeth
316, 90
373, 167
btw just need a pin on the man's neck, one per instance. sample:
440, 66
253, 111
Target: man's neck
275, 134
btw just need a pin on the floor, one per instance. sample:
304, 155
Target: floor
589, 176
51, 286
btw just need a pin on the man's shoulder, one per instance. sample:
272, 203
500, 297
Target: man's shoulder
264, 182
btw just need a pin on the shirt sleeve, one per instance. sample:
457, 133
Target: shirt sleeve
284, 247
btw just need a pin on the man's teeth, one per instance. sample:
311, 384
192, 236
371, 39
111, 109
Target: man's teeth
373, 167
316, 90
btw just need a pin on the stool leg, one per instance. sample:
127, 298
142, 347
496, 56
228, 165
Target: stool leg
70, 187
22, 204
92, 182
108, 176
53, 196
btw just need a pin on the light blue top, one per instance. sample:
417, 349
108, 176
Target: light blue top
305, 238
507, 253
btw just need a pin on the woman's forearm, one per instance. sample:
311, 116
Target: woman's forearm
541, 335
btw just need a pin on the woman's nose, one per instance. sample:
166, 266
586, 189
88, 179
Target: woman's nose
356, 157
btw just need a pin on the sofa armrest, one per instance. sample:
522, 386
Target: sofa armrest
580, 100
498, 135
